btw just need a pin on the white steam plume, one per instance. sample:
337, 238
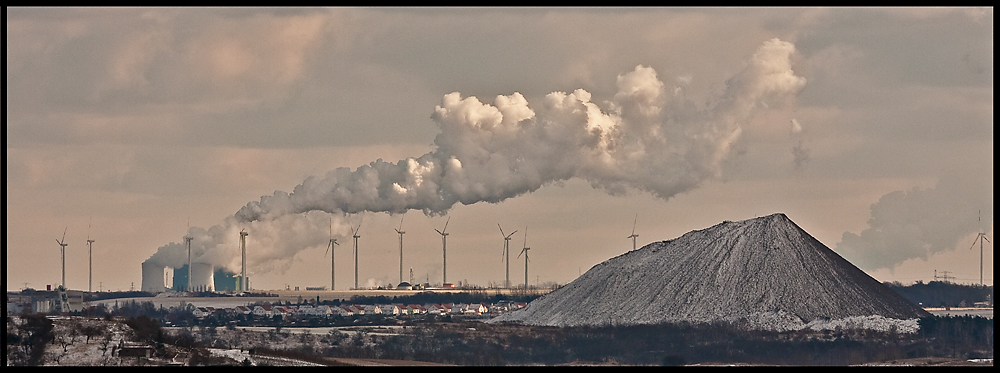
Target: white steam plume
645, 137
920, 222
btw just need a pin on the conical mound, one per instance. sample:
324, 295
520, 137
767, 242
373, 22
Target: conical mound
765, 267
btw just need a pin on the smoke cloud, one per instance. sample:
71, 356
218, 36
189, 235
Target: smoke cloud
643, 138
799, 151
646, 137
917, 223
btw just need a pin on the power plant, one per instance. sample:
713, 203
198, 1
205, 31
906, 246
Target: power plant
157, 278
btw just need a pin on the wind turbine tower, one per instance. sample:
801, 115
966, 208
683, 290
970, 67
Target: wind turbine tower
62, 249
90, 246
356, 237
330, 249
525, 252
243, 256
980, 237
634, 236
187, 241
506, 251
444, 249
400, 231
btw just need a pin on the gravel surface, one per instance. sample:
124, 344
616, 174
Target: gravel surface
766, 273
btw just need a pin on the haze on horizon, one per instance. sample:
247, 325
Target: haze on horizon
870, 128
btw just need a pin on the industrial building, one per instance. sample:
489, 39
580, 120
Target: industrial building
158, 278
45, 301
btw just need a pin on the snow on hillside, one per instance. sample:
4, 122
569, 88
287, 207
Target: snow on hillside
766, 273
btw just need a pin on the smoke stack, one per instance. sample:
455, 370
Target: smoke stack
202, 277
153, 277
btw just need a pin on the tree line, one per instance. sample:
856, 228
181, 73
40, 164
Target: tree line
943, 294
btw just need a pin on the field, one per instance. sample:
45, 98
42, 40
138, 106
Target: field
80, 341
167, 300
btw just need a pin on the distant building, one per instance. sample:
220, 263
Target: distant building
226, 280
130, 349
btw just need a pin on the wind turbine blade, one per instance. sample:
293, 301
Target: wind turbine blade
401, 222
974, 242
328, 248
64, 235
446, 225
633, 223
439, 232
987, 239
525, 237
511, 233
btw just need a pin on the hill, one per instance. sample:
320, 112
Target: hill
765, 272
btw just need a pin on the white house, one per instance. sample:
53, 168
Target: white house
390, 309
434, 309
342, 311
263, 311
416, 309
475, 309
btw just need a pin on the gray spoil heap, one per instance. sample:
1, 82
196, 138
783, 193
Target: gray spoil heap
758, 268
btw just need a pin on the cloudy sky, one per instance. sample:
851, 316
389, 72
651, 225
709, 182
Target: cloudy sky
870, 128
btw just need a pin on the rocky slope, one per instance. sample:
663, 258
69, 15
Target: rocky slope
765, 272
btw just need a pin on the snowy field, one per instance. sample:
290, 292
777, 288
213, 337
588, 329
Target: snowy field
168, 302
384, 330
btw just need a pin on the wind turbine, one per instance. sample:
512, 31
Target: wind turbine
62, 248
187, 241
330, 249
444, 249
525, 252
400, 231
90, 246
243, 253
506, 250
634, 236
356, 237
980, 237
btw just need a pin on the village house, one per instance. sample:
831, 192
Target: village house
199, 312
434, 309
416, 309
323, 310
263, 311
404, 310
342, 311
390, 309
475, 309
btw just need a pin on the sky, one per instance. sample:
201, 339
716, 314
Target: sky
870, 128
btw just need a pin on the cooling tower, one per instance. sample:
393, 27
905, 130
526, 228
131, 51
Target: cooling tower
153, 277
202, 277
